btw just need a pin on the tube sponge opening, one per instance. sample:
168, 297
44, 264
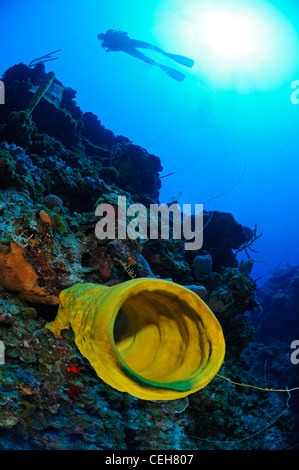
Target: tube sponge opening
151, 338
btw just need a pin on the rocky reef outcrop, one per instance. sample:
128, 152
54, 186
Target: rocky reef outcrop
57, 164
277, 327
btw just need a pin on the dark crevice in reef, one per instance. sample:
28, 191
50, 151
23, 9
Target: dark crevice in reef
57, 163
44, 311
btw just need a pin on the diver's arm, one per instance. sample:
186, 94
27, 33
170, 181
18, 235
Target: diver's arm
106, 47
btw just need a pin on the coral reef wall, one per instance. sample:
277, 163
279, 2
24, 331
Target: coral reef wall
57, 164
277, 327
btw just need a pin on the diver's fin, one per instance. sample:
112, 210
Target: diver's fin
180, 59
173, 73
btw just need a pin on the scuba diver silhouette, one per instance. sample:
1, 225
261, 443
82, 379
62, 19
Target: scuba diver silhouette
116, 40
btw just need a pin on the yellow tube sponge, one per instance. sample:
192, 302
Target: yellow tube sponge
151, 338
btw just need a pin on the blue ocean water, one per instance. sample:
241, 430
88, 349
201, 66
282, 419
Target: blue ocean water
215, 134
